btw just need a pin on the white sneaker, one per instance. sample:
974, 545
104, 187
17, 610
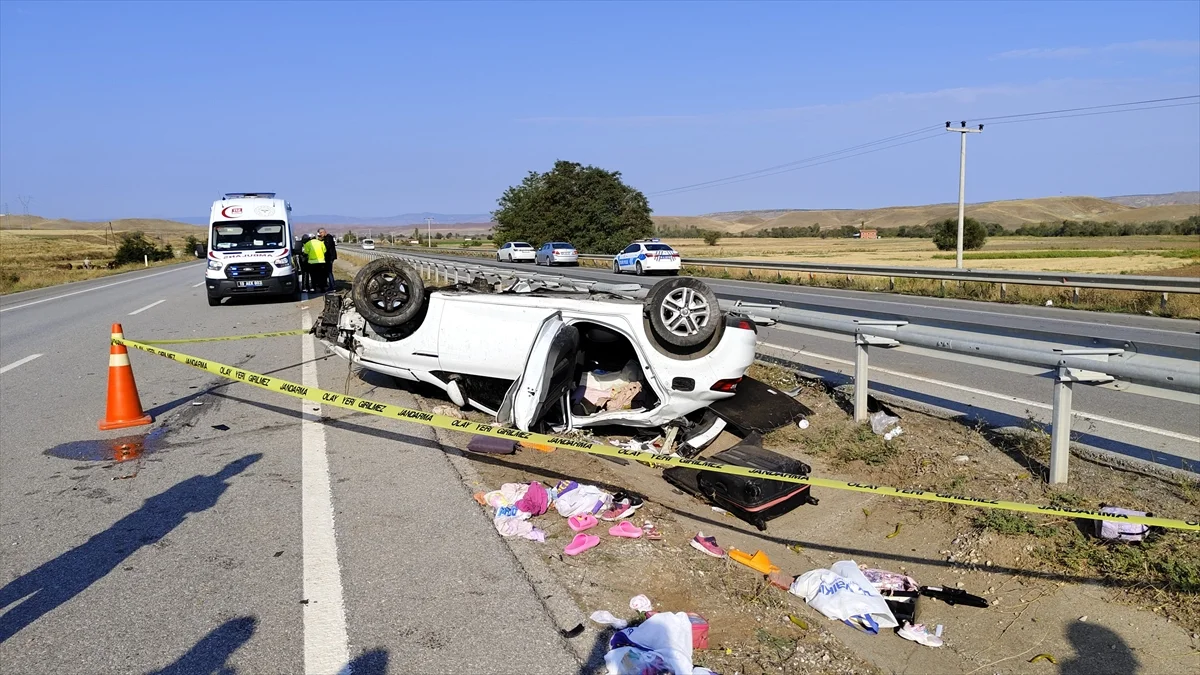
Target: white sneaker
917, 633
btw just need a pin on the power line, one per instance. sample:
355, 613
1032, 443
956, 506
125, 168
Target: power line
1092, 107
887, 143
678, 191
799, 161
1102, 112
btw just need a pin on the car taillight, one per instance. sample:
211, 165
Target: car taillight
726, 385
740, 321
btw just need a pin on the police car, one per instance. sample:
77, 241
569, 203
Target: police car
646, 256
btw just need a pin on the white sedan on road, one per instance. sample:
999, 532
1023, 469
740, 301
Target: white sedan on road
545, 358
515, 251
647, 256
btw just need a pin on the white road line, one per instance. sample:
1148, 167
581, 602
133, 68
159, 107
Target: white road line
1014, 399
93, 288
326, 648
22, 362
139, 311
198, 285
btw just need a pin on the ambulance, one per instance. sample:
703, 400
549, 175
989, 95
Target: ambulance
250, 250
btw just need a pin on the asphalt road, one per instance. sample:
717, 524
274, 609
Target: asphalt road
256, 533
1142, 427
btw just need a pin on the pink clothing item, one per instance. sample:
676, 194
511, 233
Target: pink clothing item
518, 527
536, 500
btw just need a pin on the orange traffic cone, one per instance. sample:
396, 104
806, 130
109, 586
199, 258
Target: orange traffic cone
124, 406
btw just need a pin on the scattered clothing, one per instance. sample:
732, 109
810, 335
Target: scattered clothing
918, 633
621, 397
518, 526
579, 499
536, 500
707, 545
884, 580
448, 411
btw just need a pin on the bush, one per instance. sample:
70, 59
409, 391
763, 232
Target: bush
945, 235
711, 237
135, 247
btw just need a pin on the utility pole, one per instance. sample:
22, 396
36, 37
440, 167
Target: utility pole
428, 236
962, 183
25, 199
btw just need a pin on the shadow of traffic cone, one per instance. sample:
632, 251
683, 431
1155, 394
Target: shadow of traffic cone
124, 406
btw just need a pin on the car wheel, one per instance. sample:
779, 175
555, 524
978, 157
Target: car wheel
637, 269
388, 292
683, 312
616, 267
213, 302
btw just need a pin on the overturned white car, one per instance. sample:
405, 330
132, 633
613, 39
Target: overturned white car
545, 358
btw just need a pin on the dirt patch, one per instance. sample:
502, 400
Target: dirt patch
1053, 589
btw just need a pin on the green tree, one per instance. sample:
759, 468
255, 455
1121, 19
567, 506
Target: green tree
135, 247
349, 237
711, 237
945, 235
437, 235
585, 205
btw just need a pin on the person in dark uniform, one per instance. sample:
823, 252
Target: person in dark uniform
330, 254
305, 271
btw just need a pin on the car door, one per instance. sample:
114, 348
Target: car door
628, 256
505, 252
547, 375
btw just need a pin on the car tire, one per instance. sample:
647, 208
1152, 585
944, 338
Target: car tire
637, 269
388, 292
683, 312
616, 267
214, 302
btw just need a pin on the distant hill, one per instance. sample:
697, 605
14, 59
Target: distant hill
395, 221
1169, 199
1010, 213
149, 225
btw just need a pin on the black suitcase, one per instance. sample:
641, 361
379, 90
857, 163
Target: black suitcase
754, 500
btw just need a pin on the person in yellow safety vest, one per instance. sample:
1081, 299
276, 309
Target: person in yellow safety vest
315, 250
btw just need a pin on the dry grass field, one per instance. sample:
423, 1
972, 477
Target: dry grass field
1011, 214
1110, 255
37, 258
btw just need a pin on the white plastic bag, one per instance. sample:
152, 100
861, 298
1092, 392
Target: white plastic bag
843, 593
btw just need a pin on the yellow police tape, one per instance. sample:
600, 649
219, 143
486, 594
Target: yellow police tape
444, 422
282, 333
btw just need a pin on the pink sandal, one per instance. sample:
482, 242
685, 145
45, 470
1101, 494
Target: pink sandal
582, 522
581, 543
625, 529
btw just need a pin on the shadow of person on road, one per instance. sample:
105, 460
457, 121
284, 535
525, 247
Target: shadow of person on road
211, 653
374, 662
1098, 651
57, 581
595, 658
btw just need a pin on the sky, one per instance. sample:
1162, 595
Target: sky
112, 110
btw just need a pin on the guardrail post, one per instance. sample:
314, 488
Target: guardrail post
1003, 290
860, 378
1162, 305
1060, 429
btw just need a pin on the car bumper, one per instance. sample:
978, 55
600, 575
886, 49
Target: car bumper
652, 265
522, 257
223, 288
565, 259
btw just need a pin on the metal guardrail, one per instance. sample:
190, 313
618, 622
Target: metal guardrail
1120, 282
1068, 365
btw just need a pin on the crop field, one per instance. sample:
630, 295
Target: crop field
1111, 255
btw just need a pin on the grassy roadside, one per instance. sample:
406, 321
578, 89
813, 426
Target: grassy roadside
38, 259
